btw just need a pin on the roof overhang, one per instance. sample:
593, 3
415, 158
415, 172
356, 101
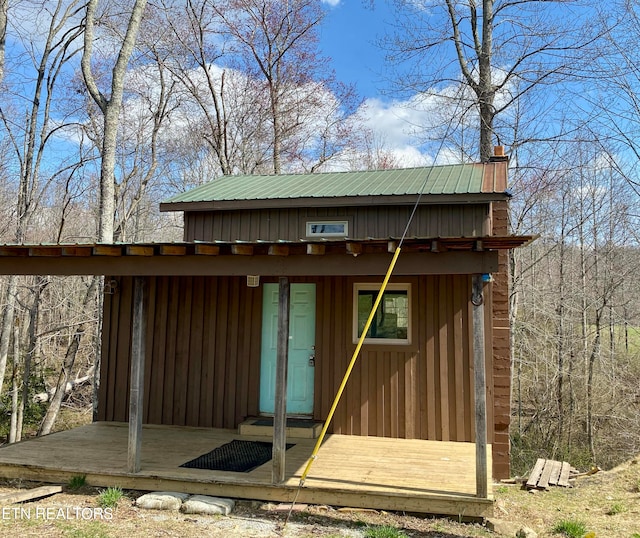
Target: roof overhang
339, 201
454, 255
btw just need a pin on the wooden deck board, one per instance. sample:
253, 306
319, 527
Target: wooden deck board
369, 472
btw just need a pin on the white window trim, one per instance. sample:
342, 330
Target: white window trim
310, 223
374, 286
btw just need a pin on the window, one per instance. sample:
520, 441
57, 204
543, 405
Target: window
329, 228
392, 321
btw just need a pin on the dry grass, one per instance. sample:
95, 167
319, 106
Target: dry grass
608, 503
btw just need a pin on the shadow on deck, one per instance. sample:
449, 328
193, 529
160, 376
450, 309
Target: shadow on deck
432, 477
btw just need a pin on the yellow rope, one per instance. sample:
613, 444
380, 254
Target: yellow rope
354, 358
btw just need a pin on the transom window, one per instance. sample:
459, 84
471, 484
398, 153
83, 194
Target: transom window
329, 228
392, 321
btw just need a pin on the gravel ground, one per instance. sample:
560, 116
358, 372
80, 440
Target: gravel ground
249, 519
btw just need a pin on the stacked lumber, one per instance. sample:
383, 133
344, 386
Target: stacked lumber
548, 473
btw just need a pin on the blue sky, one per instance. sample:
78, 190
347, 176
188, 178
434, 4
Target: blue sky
348, 37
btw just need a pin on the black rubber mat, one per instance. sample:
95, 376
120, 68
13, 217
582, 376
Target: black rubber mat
237, 456
291, 422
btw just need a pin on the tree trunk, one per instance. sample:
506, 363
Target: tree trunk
15, 387
560, 338
3, 34
98, 348
486, 91
595, 351
31, 352
7, 325
110, 109
65, 372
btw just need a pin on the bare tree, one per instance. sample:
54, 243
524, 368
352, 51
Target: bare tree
30, 137
193, 33
109, 106
277, 43
497, 50
3, 34
68, 364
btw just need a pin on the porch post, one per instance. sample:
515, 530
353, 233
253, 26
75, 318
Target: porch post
477, 300
136, 392
280, 418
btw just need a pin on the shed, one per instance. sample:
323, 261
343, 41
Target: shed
211, 305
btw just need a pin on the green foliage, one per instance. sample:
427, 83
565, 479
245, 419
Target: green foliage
77, 481
385, 531
570, 528
616, 508
94, 529
110, 497
34, 412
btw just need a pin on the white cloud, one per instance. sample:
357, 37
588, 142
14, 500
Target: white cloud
332, 3
400, 126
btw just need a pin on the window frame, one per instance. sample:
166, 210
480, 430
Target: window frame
375, 286
310, 223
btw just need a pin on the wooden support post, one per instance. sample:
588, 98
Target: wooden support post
280, 411
477, 299
136, 392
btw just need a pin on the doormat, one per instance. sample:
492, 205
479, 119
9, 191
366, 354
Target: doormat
236, 456
291, 422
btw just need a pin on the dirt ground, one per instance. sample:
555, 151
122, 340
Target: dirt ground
76, 514
608, 503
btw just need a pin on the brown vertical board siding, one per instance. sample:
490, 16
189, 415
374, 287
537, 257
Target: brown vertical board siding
242, 369
151, 283
233, 322
372, 406
467, 351
340, 361
170, 352
158, 350
443, 366
402, 389
182, 351
123, 346
364, 391
394, 390
255, 337
204, 364
412, 397
195, 356
459, 336
352, 399
429, 379
368, 221
221, 305
208, 353
323, 350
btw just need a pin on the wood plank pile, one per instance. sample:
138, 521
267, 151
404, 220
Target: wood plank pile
548, 473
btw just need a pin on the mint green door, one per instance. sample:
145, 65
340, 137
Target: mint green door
302, 335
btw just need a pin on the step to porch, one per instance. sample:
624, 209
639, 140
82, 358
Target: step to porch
296, 427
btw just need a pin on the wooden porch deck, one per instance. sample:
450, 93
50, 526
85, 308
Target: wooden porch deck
370, 472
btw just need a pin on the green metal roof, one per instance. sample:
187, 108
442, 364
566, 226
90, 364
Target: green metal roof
437, 180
